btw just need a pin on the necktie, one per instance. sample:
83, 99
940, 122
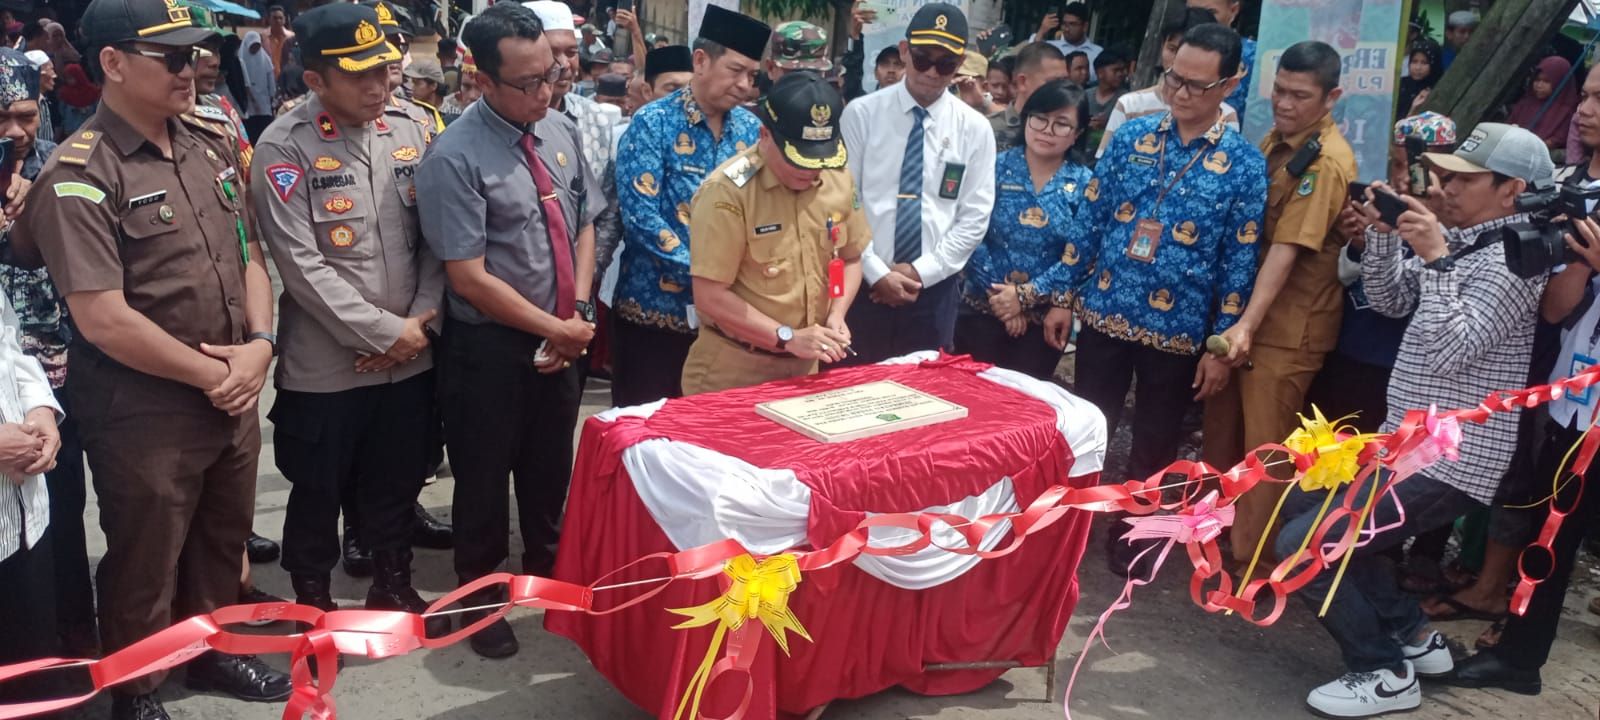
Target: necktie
556, 226
908, 214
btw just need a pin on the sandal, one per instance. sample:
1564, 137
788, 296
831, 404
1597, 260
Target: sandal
1490, 638
1459, 611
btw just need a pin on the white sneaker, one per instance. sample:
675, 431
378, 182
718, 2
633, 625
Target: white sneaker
1359, 695
1431, 658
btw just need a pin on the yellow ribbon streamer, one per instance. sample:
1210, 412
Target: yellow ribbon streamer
1335, 452
759, 591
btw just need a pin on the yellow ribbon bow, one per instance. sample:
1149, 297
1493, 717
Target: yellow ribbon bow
759, 591
1335, 453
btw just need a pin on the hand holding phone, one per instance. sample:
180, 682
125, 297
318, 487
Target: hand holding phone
1389, 205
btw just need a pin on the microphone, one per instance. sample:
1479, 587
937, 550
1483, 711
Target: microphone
1218, 346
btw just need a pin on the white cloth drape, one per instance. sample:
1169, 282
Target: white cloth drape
698, 496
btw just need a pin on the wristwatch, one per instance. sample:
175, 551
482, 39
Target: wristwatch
269, 337
1443, 263
785, 334
586, 310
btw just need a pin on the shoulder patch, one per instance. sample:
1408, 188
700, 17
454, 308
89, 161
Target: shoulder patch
284, 178
80, 190
76, 149
218, 128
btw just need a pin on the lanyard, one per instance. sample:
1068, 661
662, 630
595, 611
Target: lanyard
1162, 170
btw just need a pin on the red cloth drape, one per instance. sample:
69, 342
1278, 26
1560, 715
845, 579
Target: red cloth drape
869, 635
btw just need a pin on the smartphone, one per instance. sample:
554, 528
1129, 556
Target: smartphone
1389, 205
625, 5
1358, 192
7, 161
1416, 171
999, 38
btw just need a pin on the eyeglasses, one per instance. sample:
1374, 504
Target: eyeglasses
175, 60
1058, 128
555, 74
1175, 81
946, 64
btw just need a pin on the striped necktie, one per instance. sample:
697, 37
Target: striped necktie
908, 213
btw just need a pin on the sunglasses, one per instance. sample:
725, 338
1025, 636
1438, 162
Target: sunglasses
175, 60
945, 64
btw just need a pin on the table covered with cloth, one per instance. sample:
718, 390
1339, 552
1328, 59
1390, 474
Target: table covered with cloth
678, 474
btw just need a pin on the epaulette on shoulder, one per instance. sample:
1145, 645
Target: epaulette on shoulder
194, 120
75, 150
212, 113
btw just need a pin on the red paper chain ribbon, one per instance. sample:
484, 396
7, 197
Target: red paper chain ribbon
380, 634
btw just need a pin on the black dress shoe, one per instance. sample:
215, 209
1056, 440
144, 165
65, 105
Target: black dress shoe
428, 532
1486, 669
495, 641
261, 550
357, 560
245, 677
137, 707
313, 591
253, 595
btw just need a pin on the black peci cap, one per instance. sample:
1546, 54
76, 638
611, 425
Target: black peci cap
939, 25
802, 112
347, 34
672, 58
160, 22
740, 33
611, 85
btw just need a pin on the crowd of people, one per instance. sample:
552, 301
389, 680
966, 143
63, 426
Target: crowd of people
464, 240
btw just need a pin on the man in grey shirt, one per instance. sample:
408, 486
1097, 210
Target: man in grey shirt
504, 201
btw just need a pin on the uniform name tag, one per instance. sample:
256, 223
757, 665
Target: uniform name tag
1142, 160
768, 229
150, 199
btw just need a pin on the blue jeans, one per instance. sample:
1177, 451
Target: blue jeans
1370, 616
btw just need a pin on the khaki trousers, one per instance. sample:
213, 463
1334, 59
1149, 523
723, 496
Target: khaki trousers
1259, 406
716, 363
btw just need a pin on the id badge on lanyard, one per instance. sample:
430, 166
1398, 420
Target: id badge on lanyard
1147, 233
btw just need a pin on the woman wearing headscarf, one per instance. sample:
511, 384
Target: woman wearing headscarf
1424, 67
1543, 109
260, 84
78, 95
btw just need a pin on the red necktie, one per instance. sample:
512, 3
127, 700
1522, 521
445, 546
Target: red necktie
556, 225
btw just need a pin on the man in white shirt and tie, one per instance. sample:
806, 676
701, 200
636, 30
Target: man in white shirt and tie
923, 162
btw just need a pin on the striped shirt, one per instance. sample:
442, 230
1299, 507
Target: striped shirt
1471, 334
24, 506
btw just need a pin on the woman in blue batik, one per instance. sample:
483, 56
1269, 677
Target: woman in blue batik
1021, 268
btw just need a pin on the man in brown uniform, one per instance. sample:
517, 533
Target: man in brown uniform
334, 191
140, 218
779, 236
1292, 320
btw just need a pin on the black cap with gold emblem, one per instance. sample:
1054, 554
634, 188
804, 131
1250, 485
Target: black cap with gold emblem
802, 112
391, 20
347, 35
160, 22
939, 25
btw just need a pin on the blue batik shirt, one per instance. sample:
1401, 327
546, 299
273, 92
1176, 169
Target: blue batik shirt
1204, 263
1027, 235
1247, 63
41, 311
666, 152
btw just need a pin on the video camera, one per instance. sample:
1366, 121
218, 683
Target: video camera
1535, 246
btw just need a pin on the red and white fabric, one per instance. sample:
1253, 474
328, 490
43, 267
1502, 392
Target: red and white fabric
678, 474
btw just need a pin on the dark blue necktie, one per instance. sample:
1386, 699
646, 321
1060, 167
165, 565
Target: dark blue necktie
908, 213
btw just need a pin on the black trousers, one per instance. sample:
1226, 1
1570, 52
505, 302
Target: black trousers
371, 440
1346, 387
879, 332
28, 618
1107, 366
504, 420
646, 363
68, 496
984, 337
1527, 638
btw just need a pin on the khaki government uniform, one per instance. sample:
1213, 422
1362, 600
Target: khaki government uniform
771, 244
1262, 405
175, 476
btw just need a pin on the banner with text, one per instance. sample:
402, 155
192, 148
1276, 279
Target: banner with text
1367, 35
